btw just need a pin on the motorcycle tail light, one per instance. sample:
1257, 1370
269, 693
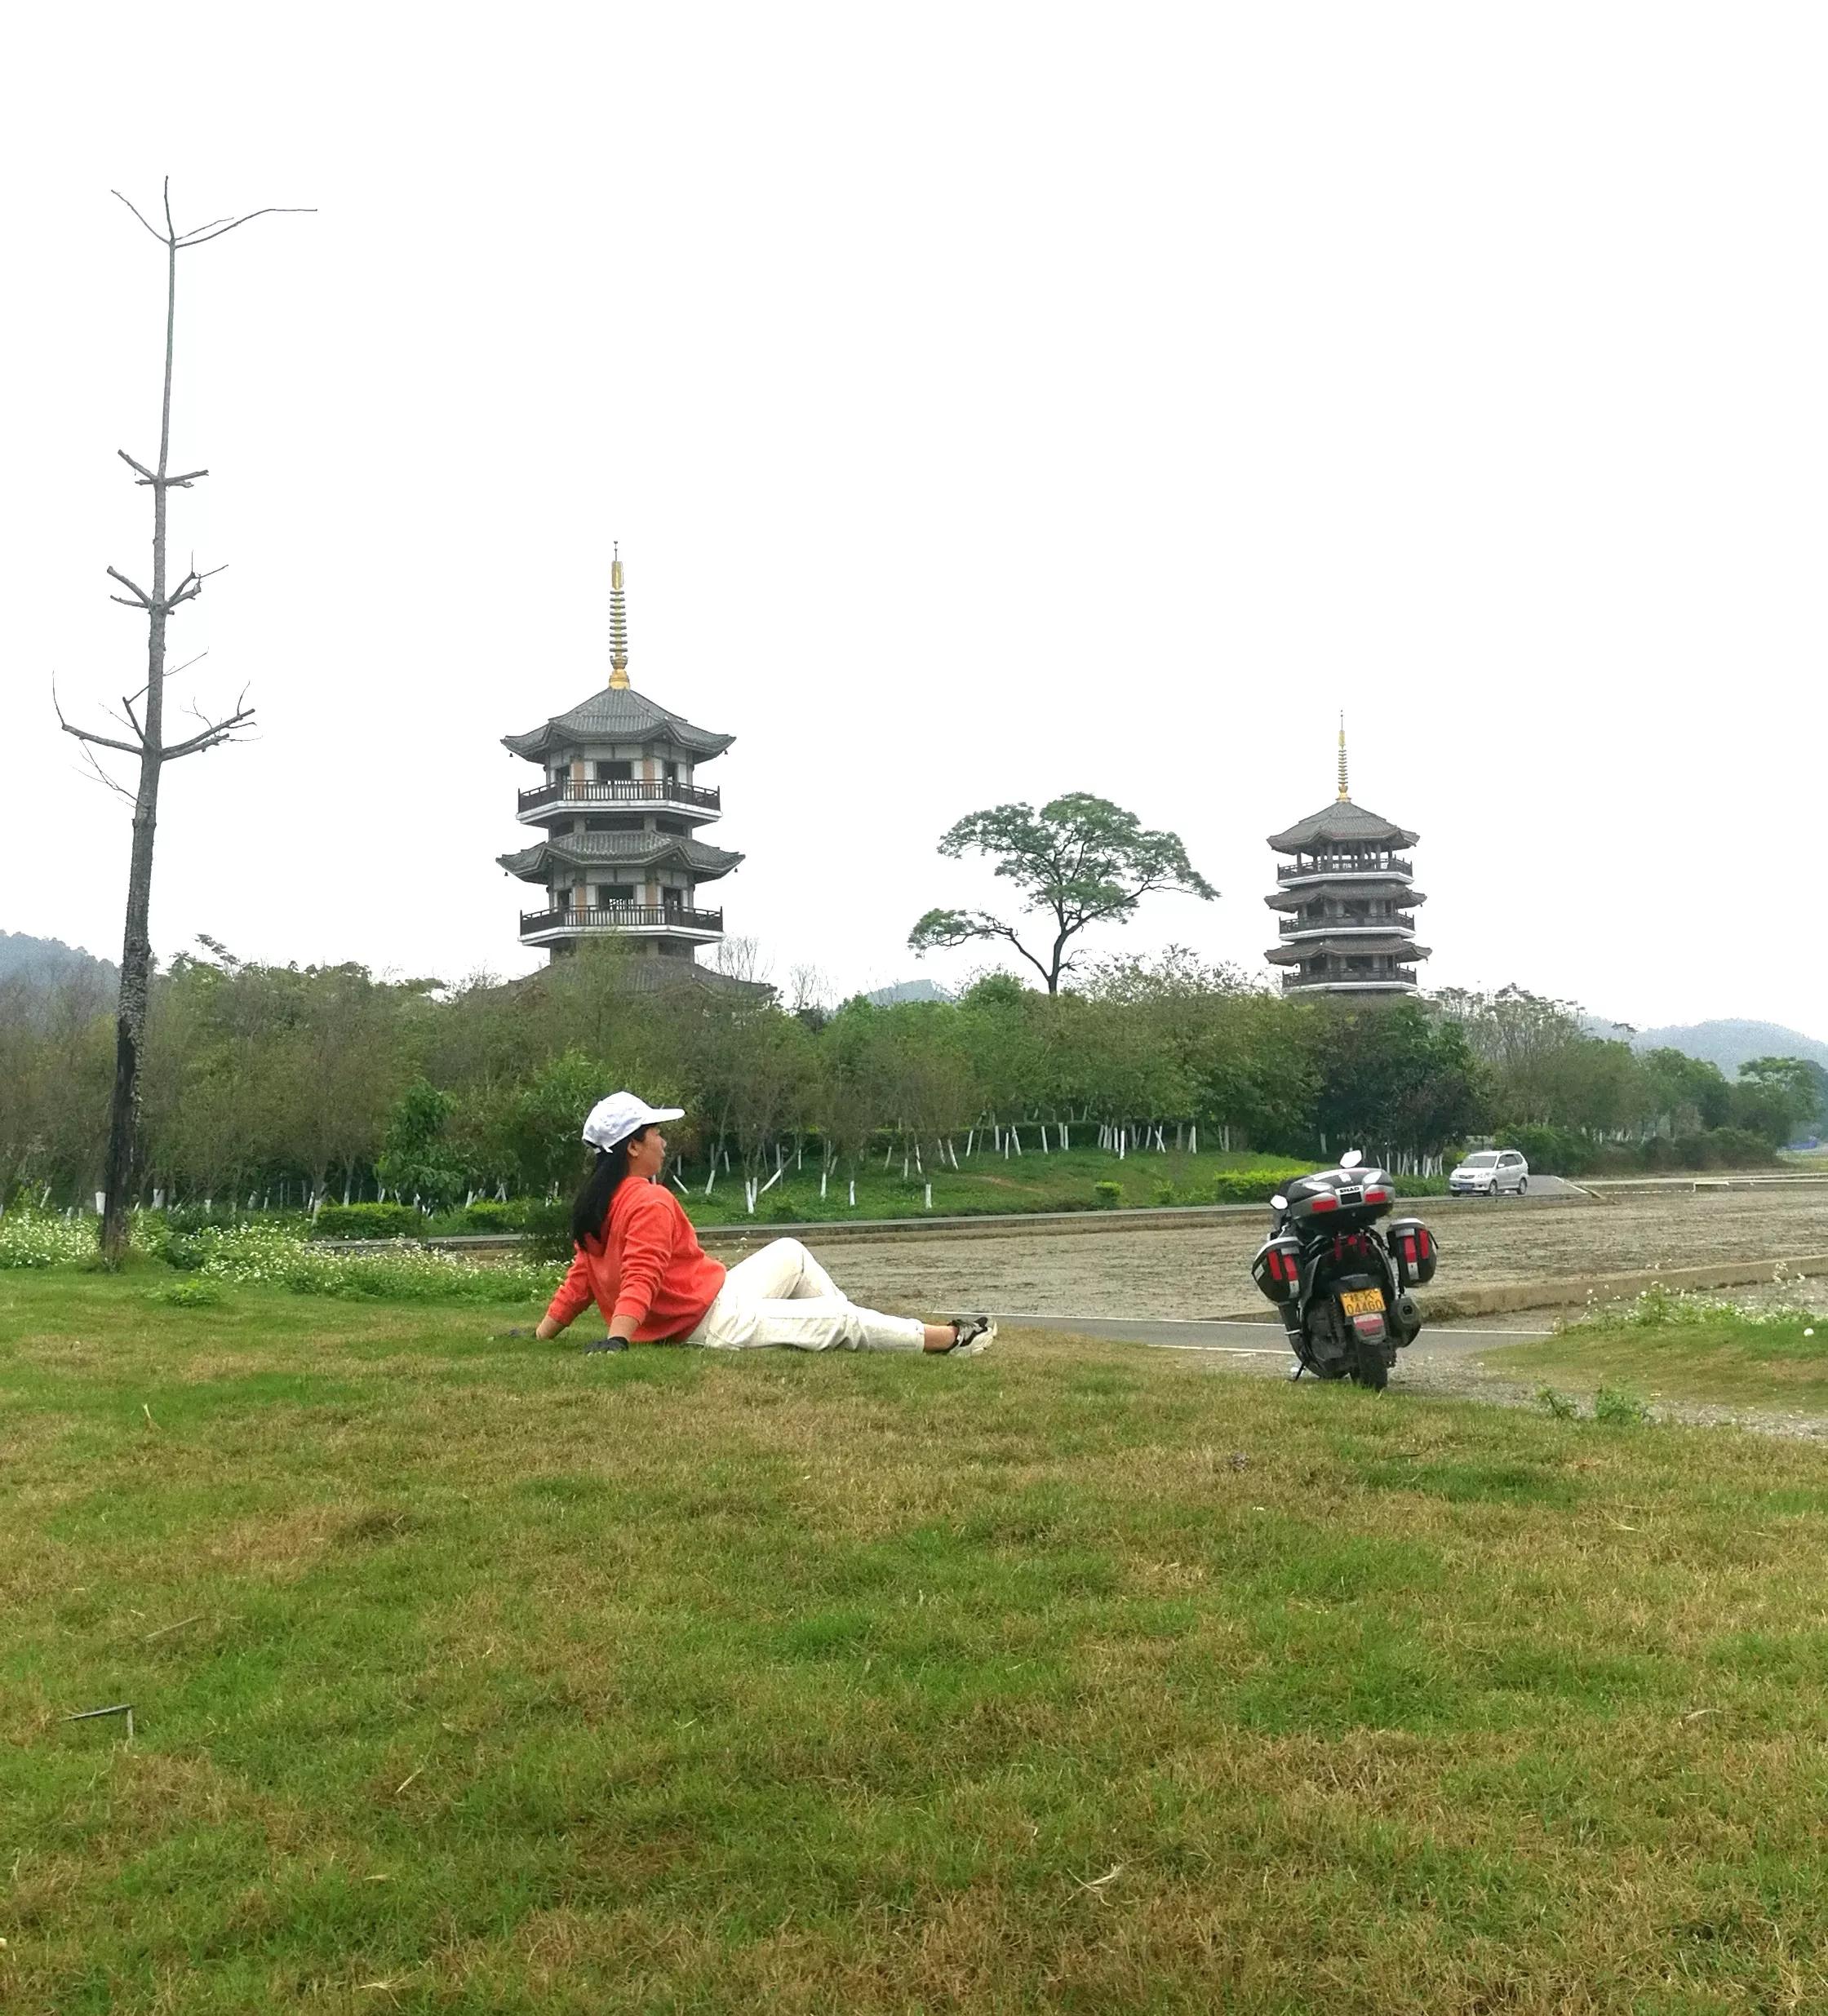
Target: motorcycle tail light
1376, 1197
1325, 1204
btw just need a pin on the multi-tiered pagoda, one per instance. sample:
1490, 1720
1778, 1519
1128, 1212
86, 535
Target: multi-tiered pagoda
620, 804
1350, 926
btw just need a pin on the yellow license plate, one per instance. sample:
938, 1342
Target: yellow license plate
1363, 1301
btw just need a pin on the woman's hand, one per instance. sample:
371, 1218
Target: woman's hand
547, 1330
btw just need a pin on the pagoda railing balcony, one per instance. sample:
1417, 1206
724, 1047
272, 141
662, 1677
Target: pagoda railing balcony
619, 791
1320, 927
1404, 979
536, 924
1342, 864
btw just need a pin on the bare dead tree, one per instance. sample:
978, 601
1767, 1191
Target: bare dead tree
142, 722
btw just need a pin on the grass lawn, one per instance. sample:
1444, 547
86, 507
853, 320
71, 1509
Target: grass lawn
1777, 1364
476, 1676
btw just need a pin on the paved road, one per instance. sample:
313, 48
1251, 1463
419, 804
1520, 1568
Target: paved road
1260, 1346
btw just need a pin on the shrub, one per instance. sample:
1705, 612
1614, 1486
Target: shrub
370, 1222
1557, 1405
1550, 1150
1619, 1408
488, 1214
194, 1217
548, 1225
1728, 1147
187, 1291
1107, 1196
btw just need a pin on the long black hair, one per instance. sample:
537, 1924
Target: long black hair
591, 1211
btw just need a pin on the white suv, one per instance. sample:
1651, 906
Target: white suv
1490, 1173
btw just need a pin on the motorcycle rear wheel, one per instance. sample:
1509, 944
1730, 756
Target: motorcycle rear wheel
1369, 1369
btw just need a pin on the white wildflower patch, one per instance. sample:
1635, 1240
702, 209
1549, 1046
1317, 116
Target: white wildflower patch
1790, 1299
32, 1239
280, 1258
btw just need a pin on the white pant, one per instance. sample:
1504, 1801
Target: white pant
781, 1295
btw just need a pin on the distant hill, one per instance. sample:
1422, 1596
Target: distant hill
1731, 1044
906, 991
50, 963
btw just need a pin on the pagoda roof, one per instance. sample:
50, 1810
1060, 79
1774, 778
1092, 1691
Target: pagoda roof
617, 714
1341, 822
1296, 895
619, 850
648, 973
1361, 945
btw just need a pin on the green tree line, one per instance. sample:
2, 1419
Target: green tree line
296, 1085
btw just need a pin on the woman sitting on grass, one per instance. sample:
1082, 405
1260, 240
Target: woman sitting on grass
639, 1259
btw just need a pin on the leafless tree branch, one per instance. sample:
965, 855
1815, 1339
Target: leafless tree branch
135, 208
147, 478
204, 232
145, 600
213, 733
119, 790
101, 741
83, 735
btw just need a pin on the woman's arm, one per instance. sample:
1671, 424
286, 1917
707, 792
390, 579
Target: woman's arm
573, 1294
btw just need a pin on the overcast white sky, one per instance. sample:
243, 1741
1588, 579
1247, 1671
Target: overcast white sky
991, 401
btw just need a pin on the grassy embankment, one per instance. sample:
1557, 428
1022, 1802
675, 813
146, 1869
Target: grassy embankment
989, 1184
477, 1676
1690, 1349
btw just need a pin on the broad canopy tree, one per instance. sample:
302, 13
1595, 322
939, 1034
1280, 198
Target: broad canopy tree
1078, 862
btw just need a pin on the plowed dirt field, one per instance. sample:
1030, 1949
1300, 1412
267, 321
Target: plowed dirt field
1203, 1269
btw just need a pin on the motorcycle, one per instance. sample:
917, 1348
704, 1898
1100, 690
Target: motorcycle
1341, 1285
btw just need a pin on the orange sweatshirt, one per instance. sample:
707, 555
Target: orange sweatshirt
646, 1263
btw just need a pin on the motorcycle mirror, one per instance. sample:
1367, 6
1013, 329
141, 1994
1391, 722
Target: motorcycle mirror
1279, 1203
1351, 1159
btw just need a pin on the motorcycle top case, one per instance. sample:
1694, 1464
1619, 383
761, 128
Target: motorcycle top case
1413, 1248
1336, 1196
1276, 1270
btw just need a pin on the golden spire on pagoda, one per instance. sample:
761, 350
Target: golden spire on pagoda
619, 626
1343, 793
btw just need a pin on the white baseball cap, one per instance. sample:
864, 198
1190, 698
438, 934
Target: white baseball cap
614, 1119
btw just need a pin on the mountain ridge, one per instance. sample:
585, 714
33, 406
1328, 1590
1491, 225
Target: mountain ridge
49, 962
1727, 1041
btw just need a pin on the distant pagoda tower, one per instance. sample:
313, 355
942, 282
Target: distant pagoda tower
1350, 927
620, 805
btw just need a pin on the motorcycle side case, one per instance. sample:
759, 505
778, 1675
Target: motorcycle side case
1414, 1249
1276, 1270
